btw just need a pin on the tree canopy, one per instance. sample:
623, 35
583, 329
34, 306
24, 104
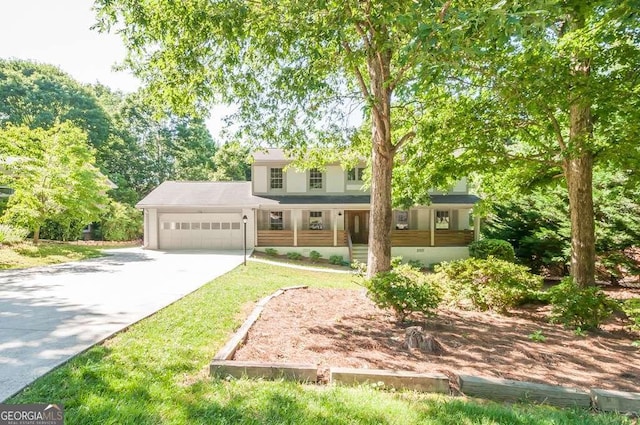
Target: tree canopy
53, 175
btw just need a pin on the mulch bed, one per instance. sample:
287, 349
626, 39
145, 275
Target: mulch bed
343, 328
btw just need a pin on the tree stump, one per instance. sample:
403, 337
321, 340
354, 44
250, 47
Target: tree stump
427, 343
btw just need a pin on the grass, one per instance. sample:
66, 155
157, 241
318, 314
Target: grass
156, 372
26, 254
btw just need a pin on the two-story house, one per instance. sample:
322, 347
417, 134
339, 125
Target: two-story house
302, 210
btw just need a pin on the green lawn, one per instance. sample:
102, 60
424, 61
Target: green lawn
157, 372
26, 254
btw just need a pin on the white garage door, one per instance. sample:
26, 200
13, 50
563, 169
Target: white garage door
201, 231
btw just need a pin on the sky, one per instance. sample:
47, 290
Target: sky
58, 32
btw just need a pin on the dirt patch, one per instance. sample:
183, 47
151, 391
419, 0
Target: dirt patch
343, 328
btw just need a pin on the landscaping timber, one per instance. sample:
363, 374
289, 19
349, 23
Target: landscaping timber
517, 391
288, 371
428, 382
616, 401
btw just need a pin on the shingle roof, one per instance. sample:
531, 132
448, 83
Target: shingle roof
454, 199
317, 199
270, 154
238, 194
200, 194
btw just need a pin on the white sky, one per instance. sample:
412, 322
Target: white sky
57, 32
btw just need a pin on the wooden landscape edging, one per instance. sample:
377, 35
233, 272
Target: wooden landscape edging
289, 371
230, 348
475, 386
427, 382
516, 391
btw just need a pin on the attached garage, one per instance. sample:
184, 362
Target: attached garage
200, 231
200, 215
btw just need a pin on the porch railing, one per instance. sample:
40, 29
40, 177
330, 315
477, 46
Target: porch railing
423, 238
305, 238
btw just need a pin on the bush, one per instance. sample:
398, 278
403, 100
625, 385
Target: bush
578, 307
294, 256
121, 223
338, 260
395, 262
631, 308
404, 290
490, 284
10, 234
416, 264
498, 248
272, 252
315, 256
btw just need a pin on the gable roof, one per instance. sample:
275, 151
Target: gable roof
200, 194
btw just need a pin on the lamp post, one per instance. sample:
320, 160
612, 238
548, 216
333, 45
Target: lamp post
244, 221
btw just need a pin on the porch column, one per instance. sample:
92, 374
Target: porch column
476, 227
335, 227
255, 227
295, 229
432, 226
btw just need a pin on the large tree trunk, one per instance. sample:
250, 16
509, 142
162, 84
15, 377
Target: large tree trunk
382, 154
578, 170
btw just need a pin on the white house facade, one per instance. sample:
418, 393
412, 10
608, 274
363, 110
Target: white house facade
302, 211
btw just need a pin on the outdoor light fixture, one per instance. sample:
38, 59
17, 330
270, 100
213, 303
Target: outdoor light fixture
340, 214
244, 221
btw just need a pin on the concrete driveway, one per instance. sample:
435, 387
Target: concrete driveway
49, 314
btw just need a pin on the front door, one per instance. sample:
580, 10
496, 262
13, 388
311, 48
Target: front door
358, 226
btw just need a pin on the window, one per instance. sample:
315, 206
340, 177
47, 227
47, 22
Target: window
442, 219
184, 226
275, 220
226, 226
235, 226
195, 226
276, 178
205, 226
402, 220
315, 220
315, 179
355, 174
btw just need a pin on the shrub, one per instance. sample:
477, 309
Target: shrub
396, 261
631, 308
490, 284
272, 252
404, 290
10, 234
338, 260
578, 307
121, 223
498, 248
416, 264
294, 256
315, 256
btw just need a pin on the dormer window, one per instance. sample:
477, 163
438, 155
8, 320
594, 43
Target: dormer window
275, 178
315, 179
355, 174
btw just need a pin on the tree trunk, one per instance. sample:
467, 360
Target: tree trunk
36, 235
382, 153
578, 169
579, 174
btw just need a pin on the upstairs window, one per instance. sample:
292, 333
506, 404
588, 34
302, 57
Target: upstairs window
442, 220
315, 220
275, 178
315, 179
275, 220
355, 174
